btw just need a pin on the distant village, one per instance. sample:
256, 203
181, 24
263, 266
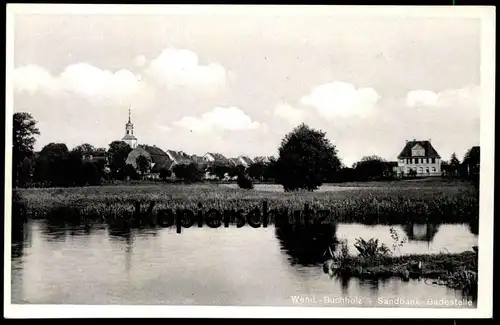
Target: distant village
417, 158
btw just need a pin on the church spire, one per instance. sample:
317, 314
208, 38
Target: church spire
129, 132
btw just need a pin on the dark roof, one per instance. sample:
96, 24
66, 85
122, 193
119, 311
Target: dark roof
158, 156
430, 152
153, 150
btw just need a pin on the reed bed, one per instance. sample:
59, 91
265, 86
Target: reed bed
394, 204
456, 271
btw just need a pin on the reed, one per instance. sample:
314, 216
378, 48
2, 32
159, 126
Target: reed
368, 205
456, 271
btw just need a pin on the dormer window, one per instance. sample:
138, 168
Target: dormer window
417, 151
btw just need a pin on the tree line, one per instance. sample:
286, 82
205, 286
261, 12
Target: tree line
306, 159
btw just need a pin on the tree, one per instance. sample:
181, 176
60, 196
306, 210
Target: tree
74, 167
52, 165
346, 174
85, 150
472, 156
143, 164
454, 164
235, 171
24, 131
165, 173
271, 169
218, 169
100, 152
256, 170
472, 161
371, 167
244, 181
91, 175
188, 172
306, 159
117, 154
454, 160
130, 171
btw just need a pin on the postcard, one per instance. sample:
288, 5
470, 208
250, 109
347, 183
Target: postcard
249, 161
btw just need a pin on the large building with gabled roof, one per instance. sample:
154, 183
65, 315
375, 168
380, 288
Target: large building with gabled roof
421, 157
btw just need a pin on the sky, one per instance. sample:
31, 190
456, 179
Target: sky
238, 83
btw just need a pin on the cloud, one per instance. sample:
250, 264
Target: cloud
140, 61
341, 99
175, 68
421, 97
463, 102
81, 79
32, 79
293, 115
466, 96
219, 119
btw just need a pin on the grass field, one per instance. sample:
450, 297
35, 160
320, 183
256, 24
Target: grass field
370, 203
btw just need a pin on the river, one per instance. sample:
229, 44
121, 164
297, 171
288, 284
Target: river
204, 266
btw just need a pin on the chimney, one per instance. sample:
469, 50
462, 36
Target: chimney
414, 139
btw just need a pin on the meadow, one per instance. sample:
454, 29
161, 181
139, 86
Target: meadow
395, 202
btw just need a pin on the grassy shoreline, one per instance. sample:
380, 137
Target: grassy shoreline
418, 202
455, 271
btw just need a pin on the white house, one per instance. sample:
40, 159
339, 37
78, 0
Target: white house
421, 157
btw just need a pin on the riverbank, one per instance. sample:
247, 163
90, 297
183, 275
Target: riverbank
456, 271
422, 203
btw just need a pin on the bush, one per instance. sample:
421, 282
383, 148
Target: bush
371, 248
165, 173
131, 172
244, 182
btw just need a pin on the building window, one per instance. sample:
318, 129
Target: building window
427, 160
427, 170
421, 170
128, 131
433, 160
434, 169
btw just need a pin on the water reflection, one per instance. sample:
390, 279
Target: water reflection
306, 245
229, 266
421, 232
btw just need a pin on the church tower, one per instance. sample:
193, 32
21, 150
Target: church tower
129, 133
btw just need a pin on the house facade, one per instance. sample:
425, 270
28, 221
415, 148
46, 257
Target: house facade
420, 157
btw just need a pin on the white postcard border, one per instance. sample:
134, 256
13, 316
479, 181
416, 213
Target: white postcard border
485, 241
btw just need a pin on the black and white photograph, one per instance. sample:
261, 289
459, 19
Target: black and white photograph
218, 160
